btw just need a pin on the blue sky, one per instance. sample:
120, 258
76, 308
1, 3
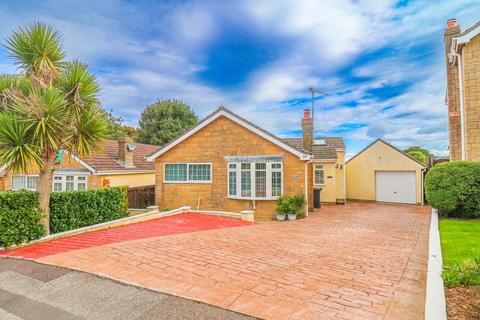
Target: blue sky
380, 61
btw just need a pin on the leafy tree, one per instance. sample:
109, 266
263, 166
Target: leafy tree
51, 104
418, 153
164, 120
115, 127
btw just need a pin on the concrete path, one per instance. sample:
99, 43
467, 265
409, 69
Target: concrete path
358, 261
32, 291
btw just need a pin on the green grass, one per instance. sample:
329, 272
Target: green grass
460, 241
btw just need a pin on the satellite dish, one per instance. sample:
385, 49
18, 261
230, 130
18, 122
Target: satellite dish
131, 146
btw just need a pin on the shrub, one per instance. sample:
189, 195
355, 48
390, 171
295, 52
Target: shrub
465, 273
19, 217
75, 209
291, 204
454, 188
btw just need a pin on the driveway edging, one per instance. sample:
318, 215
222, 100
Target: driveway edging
435, 307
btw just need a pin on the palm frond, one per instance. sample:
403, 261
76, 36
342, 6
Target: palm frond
89, 132
79, 85
17, 148
45, 111
12, 88
37, 50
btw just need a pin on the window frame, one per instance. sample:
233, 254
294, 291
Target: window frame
269, 182
76, 181
315, 176
26, 176
188, 170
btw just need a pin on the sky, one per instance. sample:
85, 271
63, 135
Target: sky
381, 62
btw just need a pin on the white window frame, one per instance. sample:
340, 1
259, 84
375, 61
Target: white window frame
26, 182
321, 168
188, 168
76, 181
269, 181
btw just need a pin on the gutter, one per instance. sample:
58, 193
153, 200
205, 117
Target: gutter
460, 91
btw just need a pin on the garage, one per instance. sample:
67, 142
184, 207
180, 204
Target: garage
395, 186
383, 173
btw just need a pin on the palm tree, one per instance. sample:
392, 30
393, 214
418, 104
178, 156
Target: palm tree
50, 105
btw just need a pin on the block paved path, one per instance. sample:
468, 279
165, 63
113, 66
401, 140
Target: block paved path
358, 261
181, 223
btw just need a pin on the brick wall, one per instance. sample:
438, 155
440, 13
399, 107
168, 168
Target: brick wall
221, 138
471, 92
454, 128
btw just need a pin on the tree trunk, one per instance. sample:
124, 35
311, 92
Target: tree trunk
44, 190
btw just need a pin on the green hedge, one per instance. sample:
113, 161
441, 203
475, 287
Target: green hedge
454, 188
19, 217
75, 209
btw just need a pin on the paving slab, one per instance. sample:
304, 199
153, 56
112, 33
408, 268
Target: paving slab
357, 261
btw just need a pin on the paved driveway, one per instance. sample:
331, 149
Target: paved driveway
358, 261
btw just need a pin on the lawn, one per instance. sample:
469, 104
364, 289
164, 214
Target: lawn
460, 241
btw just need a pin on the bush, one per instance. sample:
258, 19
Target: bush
19, 217
291, 204
75, 209
454, 188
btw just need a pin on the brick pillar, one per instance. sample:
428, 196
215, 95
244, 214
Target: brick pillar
126, 147
453, 98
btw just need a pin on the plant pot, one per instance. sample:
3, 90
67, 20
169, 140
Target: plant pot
292, 216
281, 216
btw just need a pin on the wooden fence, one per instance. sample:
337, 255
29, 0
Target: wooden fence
141, 197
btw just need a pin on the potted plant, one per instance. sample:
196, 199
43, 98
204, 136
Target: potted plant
296, 207
283, 206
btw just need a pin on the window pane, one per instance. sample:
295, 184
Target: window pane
19, 182
276, 166
319, 179
58, 178
57, 187
260, 183
70, 178
232, 165
199, 172
246, 183
245, 166
81, 186
69, 186
260, 166
32, 182
176, 172
81, 178
276, 184
232, 183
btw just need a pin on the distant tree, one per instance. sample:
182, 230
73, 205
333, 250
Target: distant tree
418, 153
116, 128
164, 120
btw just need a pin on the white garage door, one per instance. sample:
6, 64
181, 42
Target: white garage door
396, 186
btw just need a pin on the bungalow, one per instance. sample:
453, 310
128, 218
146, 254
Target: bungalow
227, 163
116, 163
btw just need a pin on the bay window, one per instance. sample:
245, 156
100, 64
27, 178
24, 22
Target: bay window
23, 181
255, 180
69, 182
188, 173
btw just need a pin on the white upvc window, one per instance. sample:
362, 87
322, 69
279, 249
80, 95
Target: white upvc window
255, 180
318, 174
25, 181
69, 182
187, 173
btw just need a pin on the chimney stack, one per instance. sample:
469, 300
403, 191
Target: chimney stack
126, 147
307, 131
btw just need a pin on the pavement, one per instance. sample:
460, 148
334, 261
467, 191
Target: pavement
33, 291
357, 261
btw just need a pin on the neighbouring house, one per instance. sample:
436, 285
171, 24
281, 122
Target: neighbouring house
383, 173
227, 163
116, 163
462, 52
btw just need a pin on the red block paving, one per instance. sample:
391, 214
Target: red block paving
182, 223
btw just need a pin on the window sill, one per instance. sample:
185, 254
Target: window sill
252, 198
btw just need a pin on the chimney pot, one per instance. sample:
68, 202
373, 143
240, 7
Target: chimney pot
306, 114
451, 23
